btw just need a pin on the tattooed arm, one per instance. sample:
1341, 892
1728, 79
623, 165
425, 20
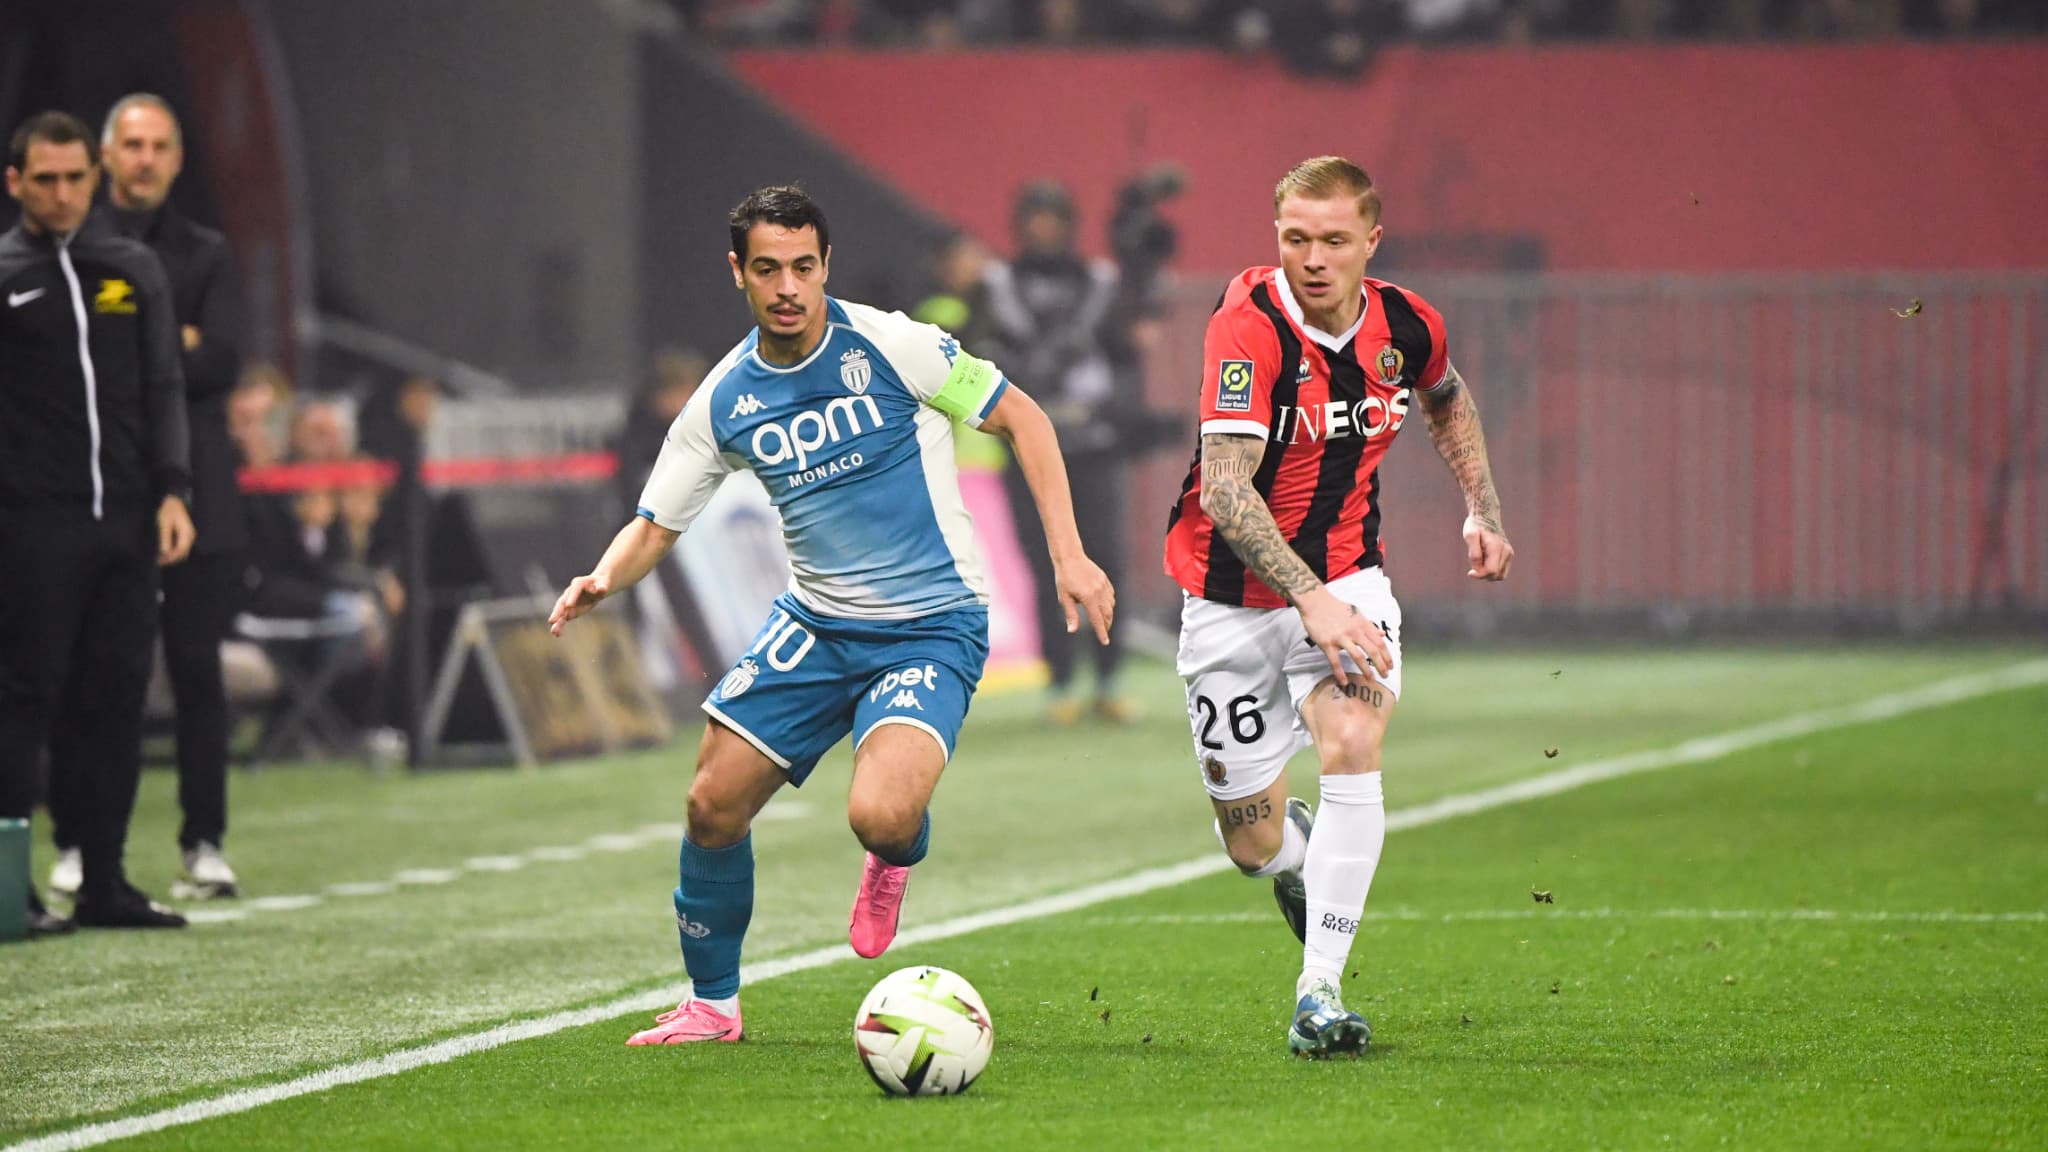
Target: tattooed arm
1241, 517
1454, 429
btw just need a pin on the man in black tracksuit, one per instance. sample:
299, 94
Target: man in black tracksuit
94, 480
1050, 307
144, 152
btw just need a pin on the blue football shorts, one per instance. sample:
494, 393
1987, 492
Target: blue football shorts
809, 680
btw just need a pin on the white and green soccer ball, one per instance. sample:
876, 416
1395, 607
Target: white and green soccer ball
923, 1032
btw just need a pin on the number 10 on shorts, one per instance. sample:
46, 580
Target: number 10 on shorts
785, 640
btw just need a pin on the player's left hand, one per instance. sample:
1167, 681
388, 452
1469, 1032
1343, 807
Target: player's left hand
1487, 549
174, 532
1081, 585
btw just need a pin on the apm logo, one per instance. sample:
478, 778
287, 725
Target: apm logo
810, 431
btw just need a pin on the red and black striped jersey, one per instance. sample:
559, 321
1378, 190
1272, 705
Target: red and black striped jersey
1327, 406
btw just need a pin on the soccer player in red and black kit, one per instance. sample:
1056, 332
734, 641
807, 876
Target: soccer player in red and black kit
1290, 631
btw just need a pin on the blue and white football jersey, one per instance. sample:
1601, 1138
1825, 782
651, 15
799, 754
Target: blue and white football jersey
855, 447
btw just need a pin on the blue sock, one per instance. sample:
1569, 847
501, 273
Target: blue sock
714, 902
918, 847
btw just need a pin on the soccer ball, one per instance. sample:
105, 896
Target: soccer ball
923, 1032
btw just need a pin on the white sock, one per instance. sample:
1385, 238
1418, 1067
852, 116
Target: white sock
1293, 850
726, 1007
1343, 851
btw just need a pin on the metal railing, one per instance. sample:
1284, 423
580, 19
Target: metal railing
525, 425
1689, 451
1731, 448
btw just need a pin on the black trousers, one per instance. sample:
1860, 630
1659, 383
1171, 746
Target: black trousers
199, 601
1102, 512
78, 619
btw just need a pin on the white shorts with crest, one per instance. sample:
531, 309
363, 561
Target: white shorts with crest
1249, 671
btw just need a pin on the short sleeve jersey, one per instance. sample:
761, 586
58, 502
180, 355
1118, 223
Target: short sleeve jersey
1327, 405
855, 448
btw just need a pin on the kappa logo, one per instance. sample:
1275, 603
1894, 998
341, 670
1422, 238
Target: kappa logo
855, 371
116, 298
692, 928
739, 679
746, 405
949, 347
905, 698
1234, 386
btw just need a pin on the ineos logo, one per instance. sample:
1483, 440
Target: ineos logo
1369, 417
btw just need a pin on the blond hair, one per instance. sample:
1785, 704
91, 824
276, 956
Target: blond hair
1327, 178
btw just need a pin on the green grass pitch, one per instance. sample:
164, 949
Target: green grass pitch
1837, 940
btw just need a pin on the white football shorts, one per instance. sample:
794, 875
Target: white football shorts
1249, 671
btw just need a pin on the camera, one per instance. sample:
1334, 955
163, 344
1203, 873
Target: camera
1140, 237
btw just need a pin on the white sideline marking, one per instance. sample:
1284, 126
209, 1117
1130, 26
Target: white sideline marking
1878, 708
460, 1046
363, 888
1414, 914
782, 811
1887, 707
280, 903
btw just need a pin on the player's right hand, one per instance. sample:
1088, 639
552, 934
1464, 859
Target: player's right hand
1339, 630
581, 596
1081, 583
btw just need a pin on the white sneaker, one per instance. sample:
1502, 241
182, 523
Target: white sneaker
68, 873
207, 875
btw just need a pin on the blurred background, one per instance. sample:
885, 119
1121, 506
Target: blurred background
1754, 296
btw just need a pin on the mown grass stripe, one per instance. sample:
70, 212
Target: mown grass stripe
1880, 708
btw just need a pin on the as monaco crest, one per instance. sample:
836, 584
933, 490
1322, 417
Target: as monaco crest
739, 679
855, 371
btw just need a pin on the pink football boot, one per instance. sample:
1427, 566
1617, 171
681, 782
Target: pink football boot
876, 907
689, 1022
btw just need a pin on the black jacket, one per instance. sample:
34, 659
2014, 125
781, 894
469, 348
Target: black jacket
1049, 312
204, 295
283, 578
99, 422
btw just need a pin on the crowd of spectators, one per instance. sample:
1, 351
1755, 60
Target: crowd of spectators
334, 554
1335, 33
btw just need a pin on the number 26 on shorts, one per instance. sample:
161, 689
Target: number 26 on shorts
1247, 726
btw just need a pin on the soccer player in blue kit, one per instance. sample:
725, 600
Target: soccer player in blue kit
845, 413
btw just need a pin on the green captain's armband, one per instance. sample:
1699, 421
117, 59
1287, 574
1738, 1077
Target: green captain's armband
967, 388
